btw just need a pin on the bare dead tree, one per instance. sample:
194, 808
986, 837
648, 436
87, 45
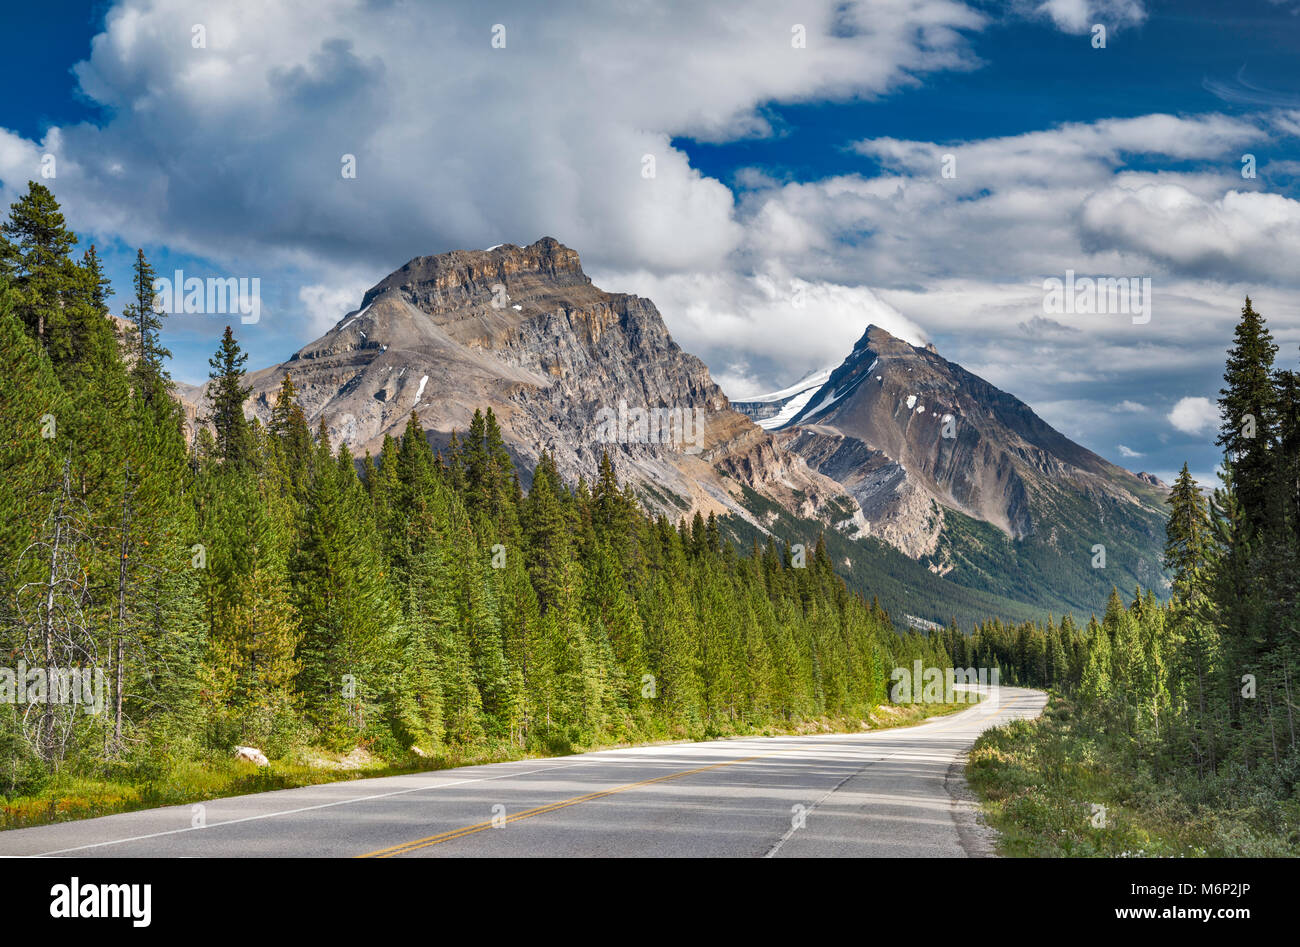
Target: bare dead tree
52, 616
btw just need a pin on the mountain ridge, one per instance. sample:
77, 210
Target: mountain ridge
567, 367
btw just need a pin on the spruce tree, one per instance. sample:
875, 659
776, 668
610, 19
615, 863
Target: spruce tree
1248, 404
149, 358
227, 393
41, 268
288, 428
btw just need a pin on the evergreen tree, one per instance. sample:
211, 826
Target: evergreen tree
342, 600
289, 429
149, 366
1249, 409
39, 263
227, 393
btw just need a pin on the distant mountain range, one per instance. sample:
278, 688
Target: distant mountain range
993, 519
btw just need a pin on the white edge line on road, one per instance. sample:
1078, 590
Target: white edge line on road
323, 805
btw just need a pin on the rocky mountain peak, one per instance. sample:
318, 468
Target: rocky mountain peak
450, 281
566, 367
881, 340
915, 437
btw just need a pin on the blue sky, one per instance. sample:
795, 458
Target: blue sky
1033, 77
783, 173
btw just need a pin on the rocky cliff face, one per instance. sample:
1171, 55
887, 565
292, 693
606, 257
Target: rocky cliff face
895, 506
567, 368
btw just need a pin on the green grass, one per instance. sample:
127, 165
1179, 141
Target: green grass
1040, 779
68, 796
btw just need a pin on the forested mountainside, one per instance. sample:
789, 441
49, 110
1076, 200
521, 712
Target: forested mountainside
265, 587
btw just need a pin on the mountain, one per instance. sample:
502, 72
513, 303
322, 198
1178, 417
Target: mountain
992, 521
565, 366
966, 479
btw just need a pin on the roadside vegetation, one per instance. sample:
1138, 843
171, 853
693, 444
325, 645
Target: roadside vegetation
1177, 731
68, 796
1062, 786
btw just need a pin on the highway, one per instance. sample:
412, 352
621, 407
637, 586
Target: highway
884, 793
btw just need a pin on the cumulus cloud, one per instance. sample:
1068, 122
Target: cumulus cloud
323, 304
1237, 235
1194, 415
240, 143
1128, 452
1022, 195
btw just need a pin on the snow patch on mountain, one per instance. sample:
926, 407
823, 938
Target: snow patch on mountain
788, 402
813, 381
354, 318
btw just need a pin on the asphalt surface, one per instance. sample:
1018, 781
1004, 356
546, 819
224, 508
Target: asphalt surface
884, 793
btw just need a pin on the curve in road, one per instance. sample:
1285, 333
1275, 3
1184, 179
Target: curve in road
878, 793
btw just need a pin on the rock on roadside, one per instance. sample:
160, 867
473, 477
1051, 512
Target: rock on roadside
252, 755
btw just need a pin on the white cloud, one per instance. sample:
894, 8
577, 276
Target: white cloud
1194, 415
324, 304
1206, 481
457, 144
1237, 234
1128, 452
1078, 16
785, 326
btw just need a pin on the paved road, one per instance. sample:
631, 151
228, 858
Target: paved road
885, 793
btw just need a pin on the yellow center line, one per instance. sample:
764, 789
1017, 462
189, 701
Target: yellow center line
406, 847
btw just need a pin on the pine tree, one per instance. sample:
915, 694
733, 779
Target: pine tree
1249, 408
252, 637
33, 413
93, 340
41, 268
149, 366
1188, 550
342, 599
289, 429
227, 394
1187, 536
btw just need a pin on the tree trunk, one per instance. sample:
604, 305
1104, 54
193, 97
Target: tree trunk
119, 672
